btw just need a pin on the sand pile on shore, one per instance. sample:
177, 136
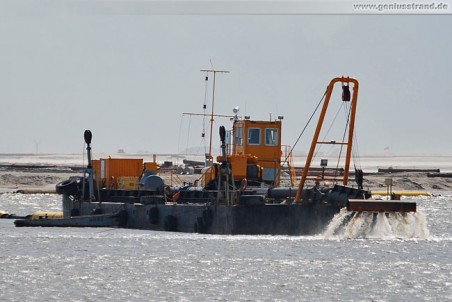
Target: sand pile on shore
19, 180
34, 180
410, 181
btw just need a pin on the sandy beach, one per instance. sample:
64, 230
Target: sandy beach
33, 180
40, 173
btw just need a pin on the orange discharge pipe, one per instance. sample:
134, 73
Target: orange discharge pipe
319, 127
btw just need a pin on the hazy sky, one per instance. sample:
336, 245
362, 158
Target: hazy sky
129, 77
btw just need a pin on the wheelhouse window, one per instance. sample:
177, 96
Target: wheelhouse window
271, 137
238, 136
254, 136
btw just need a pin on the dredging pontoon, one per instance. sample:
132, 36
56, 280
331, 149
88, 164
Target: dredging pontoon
240, 194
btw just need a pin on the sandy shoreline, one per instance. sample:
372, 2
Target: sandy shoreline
44, 179
32, 181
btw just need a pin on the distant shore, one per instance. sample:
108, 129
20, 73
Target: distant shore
43, 178
367, 163
41, 172
39, 179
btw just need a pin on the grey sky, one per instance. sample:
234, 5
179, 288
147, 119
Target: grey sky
129, 77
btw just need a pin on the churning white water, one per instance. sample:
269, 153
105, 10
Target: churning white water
378, 225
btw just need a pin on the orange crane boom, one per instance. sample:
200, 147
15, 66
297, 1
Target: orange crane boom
315, 140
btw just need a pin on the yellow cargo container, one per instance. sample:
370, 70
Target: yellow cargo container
109, 170
128, 182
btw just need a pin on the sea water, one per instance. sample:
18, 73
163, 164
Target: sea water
387, 258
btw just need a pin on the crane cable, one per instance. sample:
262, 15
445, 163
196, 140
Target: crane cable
304, 129
328, 131
355, 151
347, 112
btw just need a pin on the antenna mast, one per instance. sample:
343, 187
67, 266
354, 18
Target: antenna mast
209, 159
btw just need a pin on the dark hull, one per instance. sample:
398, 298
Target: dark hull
255, 211
269, 219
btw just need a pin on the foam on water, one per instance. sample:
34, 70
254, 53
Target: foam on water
377, 225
